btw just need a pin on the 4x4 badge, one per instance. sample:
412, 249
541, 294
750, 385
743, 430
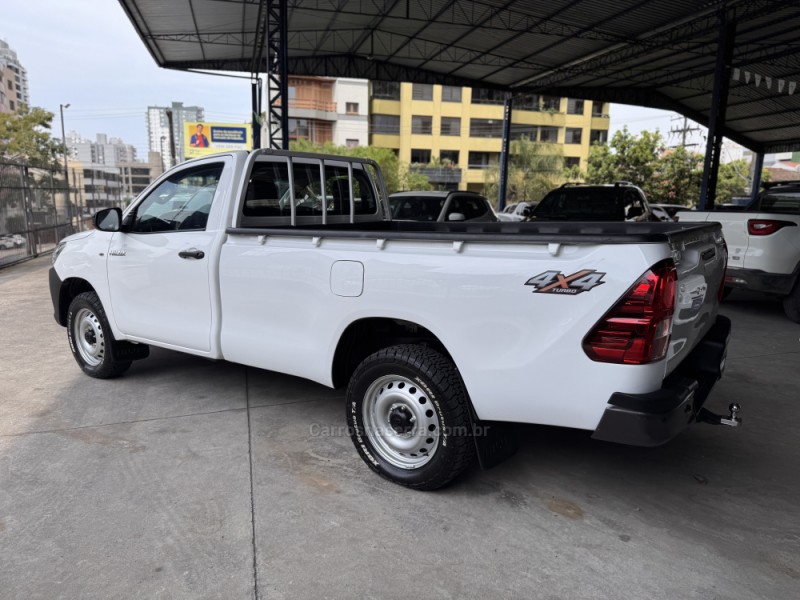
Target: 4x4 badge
555, 282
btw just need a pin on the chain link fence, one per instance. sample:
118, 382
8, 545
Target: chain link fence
35, 211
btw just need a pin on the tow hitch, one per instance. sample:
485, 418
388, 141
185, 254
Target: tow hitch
732, 420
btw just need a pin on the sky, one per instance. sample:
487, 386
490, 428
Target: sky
86, 53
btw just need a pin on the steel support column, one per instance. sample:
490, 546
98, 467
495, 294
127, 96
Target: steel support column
716, 117
504, 152
255, 89
758, 167
277, 74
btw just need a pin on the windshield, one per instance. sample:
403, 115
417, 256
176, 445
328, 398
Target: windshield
416, 208
781, 202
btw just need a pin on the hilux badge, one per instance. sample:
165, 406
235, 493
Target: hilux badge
555, 282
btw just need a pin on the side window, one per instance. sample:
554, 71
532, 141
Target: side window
471, 208
363, 193
337, 190
180, 203
307, 189
268, 190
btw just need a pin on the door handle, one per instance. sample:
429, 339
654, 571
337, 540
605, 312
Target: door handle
192, 253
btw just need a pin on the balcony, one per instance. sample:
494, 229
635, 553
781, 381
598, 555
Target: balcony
439, 175
312, 108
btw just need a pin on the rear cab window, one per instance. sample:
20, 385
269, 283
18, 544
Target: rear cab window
284, 189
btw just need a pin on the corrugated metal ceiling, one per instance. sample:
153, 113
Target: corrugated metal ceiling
658, 53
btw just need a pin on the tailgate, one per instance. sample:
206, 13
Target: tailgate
700, 258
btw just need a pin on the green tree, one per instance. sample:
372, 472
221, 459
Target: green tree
734, 180
25, 137
396, 176
534, 168
676, 178
626, 158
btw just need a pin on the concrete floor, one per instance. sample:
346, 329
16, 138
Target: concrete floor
150, 487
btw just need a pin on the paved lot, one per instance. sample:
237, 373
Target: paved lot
189, 478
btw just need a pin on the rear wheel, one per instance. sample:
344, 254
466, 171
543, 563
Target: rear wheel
408, 415
90, 338
791, 303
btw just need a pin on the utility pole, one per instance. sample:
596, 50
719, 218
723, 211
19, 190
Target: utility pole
683, 131
172, 152
66, 168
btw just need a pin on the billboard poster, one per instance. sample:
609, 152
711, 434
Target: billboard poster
202, 139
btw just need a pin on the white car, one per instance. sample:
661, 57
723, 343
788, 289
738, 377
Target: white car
763, 243
519, 211
609, 327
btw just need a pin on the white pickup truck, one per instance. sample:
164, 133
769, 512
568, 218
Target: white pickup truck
440, 331
763, 243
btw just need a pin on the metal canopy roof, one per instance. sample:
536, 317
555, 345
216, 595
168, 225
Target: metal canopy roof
656, 53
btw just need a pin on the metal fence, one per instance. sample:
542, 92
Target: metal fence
34, 211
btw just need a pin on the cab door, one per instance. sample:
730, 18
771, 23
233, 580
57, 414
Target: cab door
159, 266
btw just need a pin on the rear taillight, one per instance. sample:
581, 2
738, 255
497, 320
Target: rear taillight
636, 330
766, 226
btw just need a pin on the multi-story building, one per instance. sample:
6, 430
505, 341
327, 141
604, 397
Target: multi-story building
323, 110
13, 80
461, 128
103, 151
158, 138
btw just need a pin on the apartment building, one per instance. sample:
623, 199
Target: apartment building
461, 128
13, 80
322, 109
103, 150
158, 138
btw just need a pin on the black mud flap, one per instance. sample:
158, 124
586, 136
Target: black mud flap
494, 442
130, 351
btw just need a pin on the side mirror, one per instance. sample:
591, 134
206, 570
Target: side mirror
456, 217
108, 219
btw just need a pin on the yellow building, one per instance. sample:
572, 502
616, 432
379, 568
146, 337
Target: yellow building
463, 127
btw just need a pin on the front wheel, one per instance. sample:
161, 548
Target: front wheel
408, 416
90, 338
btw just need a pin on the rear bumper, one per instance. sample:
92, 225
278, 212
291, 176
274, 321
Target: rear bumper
760, 281
655, 418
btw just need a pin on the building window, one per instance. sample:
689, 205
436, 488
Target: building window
519, 131
572, 161
574, 106
386, 90
421, 124
573, 135
451, 93
527, 102
449, 156
598, 109
548, 135
422, 91
552, 103
299, 129
451, 126
483, 160
292, 92
598, 136
387, 124
485, 128
420, 156
351, 143
481, 96
351, 108
11, 105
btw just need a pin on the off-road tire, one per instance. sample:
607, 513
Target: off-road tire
434, 392
90, 338
791, 303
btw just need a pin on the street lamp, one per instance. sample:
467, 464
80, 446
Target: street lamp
66, 168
